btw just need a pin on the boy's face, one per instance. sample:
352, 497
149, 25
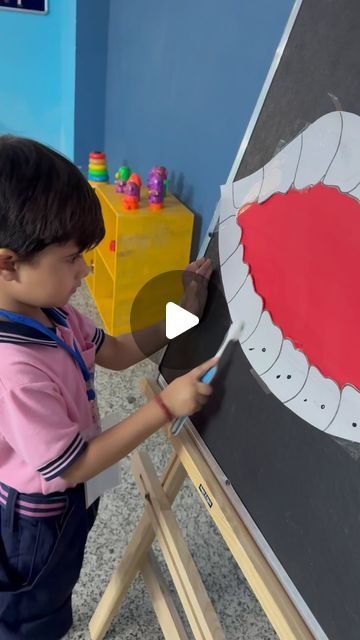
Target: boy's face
48, 280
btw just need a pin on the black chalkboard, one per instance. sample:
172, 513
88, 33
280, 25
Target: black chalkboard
301, 487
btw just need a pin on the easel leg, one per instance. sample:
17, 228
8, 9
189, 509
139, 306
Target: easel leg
192, 593
134, 556
165, 610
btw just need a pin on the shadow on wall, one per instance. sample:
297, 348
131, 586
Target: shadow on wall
186, 195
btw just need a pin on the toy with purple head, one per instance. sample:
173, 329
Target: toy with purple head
156, 191
162, 172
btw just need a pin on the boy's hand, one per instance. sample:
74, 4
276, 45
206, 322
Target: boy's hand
186, 395
195, 280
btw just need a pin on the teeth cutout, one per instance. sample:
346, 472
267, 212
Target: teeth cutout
279, 173
264, 345
234, 264
229, 238
226, 205
287, 376
328, 151
246, 307
247, 189
318, 400
346, 423
355, 192
344, 171
319, 145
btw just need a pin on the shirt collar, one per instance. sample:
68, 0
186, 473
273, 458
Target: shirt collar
18, 333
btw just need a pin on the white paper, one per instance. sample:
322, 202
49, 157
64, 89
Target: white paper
234, 265
246, 307
229, 238
319, 144
264, 345
318, 401
280, 172
347, 420
247, 189
287, 376
344, 171
110, 477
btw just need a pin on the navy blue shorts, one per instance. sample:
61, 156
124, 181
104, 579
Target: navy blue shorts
42, 542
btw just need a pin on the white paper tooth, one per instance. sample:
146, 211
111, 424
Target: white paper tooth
247, 189
279, 173
226, 204
288, 374
246, 307
317, 401
319, 143
347, 420
264, 345
355, 193
234, 272
344, 171
229, 238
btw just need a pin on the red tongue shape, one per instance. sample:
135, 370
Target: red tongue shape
303, 250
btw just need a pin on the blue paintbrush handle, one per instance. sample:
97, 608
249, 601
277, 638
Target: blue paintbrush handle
233, 335
178, 425
179, 422
208, 376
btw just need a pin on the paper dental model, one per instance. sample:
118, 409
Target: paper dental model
289, 245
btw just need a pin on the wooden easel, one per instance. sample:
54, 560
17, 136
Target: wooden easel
158, 520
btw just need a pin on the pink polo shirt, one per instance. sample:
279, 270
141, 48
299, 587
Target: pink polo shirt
46, 418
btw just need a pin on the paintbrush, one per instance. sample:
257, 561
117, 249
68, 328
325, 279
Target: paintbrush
233, 334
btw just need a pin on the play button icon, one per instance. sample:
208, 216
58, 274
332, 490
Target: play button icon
158, 304
178, 320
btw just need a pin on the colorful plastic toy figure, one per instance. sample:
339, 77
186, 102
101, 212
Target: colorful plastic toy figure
132, 192
121, 177
156, 191
150, 175
162, 172
164, 175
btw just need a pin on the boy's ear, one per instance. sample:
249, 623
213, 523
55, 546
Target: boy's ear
8, 259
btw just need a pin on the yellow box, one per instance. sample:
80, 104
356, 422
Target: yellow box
138, 246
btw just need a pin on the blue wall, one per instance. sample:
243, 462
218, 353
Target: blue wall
156, 83
91, 59
37, 75
182, 82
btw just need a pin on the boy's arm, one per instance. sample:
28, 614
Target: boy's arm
129, 348
182, 396
115, 443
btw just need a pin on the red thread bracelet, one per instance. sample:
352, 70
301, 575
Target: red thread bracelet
165, 409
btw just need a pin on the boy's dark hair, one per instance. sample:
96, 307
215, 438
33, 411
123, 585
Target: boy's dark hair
44, 199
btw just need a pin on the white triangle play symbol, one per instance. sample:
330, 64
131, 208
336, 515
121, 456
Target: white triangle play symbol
178, 320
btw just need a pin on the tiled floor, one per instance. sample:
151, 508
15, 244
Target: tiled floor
120, 511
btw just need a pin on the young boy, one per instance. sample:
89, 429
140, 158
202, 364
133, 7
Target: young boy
50, 440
